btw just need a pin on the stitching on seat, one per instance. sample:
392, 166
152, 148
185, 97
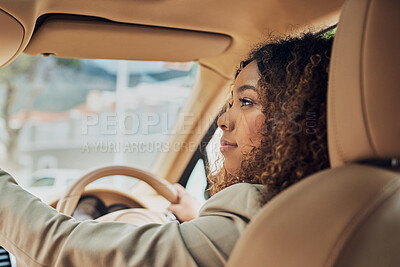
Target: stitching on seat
359, 217
336, 60
362, 87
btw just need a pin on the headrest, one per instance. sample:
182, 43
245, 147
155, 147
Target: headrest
364, 91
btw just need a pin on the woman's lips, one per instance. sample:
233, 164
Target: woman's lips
225, 145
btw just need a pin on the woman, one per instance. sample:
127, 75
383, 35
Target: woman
268, 144
291, 76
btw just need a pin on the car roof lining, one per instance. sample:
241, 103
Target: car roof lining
245, 22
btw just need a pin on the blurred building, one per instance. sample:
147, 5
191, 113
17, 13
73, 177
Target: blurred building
92, 134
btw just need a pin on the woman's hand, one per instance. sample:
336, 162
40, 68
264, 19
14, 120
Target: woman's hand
187, 208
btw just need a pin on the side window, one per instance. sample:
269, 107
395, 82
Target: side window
205, 160
197, 182
214, 155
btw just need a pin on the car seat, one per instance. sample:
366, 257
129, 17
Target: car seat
348, 215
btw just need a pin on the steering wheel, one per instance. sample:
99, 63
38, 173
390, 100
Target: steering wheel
69, 201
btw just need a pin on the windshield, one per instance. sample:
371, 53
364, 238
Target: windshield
81, 114
43, 181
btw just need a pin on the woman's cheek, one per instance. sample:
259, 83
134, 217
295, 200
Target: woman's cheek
260, 123
258, 130
252, 128
251, 123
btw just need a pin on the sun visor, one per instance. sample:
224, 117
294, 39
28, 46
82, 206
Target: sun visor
11, 36
87, 37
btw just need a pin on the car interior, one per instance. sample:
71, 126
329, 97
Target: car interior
348, 215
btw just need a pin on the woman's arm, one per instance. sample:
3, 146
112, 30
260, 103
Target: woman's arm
40, 236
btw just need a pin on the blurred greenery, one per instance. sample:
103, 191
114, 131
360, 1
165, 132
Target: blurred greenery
58, 84
329, 34
21, 83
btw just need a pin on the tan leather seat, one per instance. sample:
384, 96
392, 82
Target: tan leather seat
348, 215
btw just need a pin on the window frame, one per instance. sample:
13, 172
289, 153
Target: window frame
200, 153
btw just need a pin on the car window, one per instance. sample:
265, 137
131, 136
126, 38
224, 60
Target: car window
45, 181
214, 155
208, 161
197, 182
81, 114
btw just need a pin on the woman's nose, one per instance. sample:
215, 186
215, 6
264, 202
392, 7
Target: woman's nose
225, 121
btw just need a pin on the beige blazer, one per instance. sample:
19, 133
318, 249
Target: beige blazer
38, 235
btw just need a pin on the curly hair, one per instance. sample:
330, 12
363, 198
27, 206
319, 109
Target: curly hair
292, 91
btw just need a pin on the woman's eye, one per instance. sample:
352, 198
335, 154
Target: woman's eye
246, 102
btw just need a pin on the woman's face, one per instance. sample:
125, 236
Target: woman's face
243, 123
